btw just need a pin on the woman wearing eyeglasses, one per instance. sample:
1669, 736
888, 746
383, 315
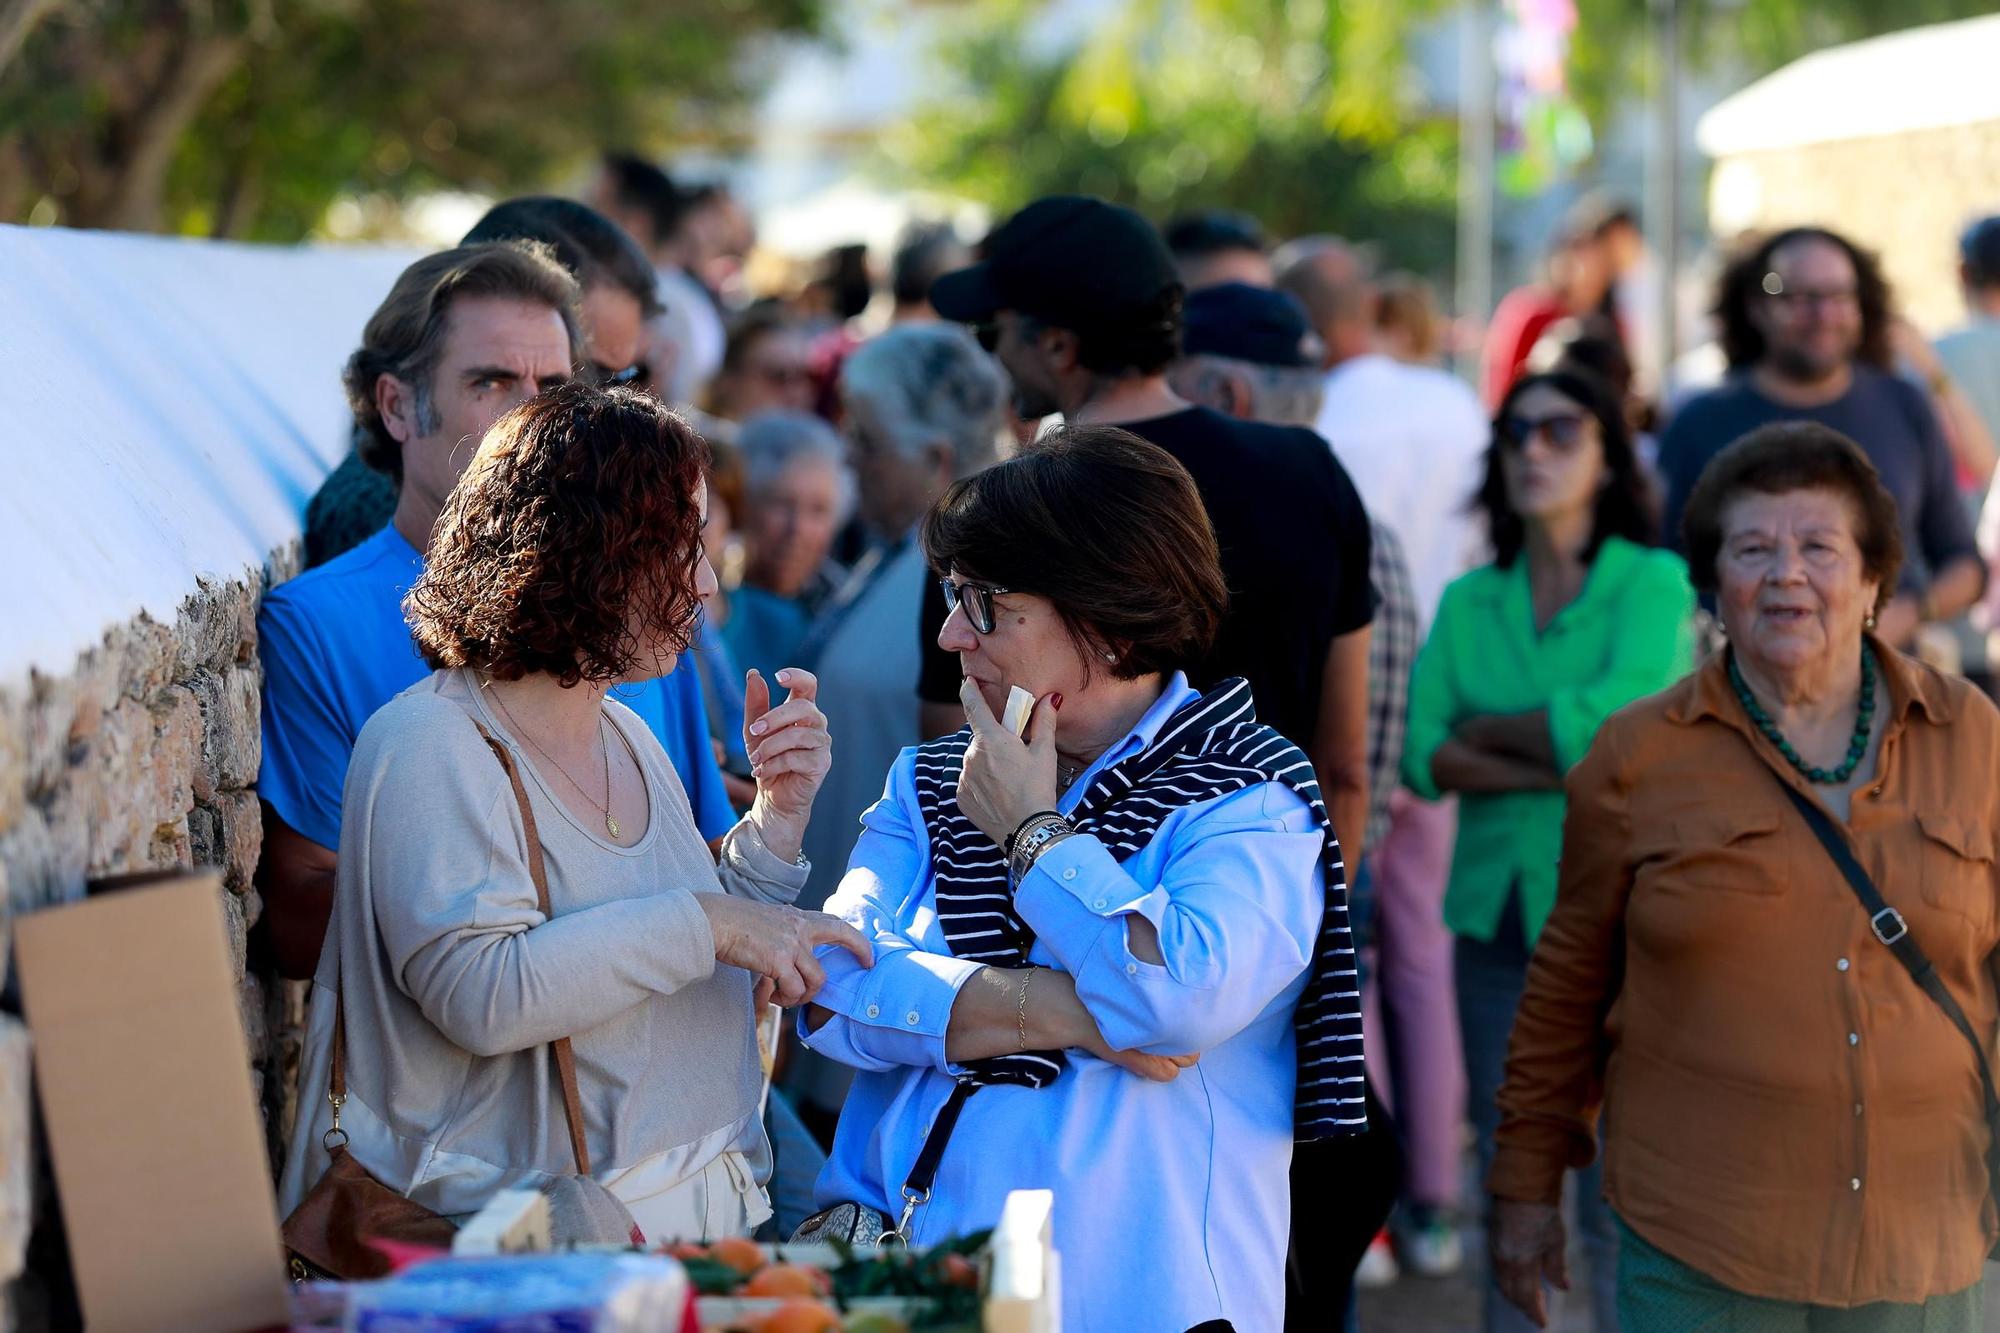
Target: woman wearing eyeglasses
1112, 957
1576, 617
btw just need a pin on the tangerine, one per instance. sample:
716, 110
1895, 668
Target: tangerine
959, 1271
783, 1280
745, 1256
684, 1249
801, 1315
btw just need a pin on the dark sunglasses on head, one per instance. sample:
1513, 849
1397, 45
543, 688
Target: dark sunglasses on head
632, 377
1564, 430
976, 599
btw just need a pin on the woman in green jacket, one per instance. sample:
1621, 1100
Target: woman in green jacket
1577, 616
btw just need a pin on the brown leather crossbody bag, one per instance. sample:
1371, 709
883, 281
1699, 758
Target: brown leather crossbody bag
328, 1234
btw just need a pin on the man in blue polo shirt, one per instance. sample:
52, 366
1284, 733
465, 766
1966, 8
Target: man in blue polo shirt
463, 337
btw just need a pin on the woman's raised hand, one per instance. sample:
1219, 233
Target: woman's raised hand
776, 942
790, 752
1006, 779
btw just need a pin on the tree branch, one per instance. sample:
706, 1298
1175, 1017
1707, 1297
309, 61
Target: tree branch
197, 71
18, 18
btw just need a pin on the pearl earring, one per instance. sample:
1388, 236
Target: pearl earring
1869, 622
1111, 657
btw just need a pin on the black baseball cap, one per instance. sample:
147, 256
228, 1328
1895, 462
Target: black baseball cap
1074, 261
1246, 323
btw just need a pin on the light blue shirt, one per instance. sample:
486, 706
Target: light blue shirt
1172, 1200
335, 648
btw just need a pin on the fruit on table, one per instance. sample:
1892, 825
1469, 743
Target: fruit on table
785, 1280
959, 1271
801, 1315
745, 1256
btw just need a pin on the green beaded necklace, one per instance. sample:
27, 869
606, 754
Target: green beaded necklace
1864, 719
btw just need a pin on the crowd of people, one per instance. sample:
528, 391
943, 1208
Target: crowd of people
1577, 767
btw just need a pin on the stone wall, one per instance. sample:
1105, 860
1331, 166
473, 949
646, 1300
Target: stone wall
178, 403
142, 758
1905, 196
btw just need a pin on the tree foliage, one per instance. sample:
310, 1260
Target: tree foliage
1303, 112
248, 117
1298, 111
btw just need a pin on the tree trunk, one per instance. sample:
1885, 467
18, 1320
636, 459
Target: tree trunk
199, 67
17, 19
240, 196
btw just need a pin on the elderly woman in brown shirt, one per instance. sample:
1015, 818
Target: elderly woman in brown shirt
1794, 1131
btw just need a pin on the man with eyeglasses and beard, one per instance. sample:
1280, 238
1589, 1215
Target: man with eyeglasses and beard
1805, 319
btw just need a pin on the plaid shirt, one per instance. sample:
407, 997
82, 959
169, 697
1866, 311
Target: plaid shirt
1392, 648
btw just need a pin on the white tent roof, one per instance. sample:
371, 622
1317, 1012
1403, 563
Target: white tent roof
1920, 79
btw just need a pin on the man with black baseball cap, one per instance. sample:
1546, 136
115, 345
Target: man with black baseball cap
1082, 304
1212, 246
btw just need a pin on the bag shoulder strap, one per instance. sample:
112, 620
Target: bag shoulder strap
565, 1055
1890, 928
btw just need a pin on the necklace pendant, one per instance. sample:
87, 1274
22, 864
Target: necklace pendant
611, 824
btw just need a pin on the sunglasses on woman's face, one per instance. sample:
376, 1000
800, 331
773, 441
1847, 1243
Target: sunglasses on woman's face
1564, 430
976, 599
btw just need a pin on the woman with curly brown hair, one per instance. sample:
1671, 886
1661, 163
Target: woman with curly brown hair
519, 866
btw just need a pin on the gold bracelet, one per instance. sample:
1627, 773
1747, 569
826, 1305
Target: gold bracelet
1021, 1010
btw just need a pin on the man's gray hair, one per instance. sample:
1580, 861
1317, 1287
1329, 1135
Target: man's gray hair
928, 384
1283, 395
770, 442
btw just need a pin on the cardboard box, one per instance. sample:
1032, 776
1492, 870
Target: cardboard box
152, 1122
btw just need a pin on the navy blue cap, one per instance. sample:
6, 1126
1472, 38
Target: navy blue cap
1979, 248
1246, 323
1074, 261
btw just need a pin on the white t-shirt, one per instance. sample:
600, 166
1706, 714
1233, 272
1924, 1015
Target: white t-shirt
1414, 441
691, 324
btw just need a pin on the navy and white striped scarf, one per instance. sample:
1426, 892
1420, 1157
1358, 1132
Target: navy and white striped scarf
1211, 747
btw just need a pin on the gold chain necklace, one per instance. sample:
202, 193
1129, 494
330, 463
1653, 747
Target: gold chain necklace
610, 822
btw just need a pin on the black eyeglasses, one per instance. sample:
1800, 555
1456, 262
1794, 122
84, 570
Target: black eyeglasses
1562, 429
988, 333
975, 598
631, 377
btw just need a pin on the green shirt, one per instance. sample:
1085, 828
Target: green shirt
1629, 633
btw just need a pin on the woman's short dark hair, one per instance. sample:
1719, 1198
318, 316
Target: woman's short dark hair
1794, 456
1741, 284
570, 542
1106, 526
1626, 506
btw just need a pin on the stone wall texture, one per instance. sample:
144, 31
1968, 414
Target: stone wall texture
1905, 196
142, 758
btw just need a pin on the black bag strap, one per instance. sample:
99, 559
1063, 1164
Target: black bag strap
917, 1189
1892, 930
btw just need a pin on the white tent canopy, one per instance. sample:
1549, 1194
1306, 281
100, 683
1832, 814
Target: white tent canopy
1922, 79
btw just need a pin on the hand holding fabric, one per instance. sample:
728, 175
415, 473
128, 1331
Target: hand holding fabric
1006, 779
